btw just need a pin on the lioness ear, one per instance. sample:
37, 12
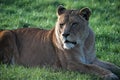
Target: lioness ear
85, 12
60, 10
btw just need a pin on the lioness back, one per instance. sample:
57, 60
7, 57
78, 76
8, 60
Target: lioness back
33, 47
36, 47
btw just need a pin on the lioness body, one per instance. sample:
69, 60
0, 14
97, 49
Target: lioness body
33, 54
28, 53
69, 45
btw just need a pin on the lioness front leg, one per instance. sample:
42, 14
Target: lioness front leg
113, 68
94, 69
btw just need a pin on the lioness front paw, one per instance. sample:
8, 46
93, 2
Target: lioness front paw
111, 77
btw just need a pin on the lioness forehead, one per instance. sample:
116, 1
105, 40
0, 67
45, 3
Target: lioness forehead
70, 15
72, 12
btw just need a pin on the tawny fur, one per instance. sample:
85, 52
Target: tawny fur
76, 51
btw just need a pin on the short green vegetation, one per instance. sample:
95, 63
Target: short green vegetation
105, 22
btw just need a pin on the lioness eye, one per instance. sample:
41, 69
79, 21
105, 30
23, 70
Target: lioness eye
74, 24
61, 25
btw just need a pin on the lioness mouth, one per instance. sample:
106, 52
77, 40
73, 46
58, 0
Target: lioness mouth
70, 42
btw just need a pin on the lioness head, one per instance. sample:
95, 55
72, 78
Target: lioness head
72, 27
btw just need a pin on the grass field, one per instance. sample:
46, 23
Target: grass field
42, 14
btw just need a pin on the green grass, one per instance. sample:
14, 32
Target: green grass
42, 14
14, 72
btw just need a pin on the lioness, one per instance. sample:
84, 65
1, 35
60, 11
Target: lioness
69, 45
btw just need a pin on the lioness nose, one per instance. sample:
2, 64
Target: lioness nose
65, 34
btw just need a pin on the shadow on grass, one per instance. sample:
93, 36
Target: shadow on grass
22, 4
7, 2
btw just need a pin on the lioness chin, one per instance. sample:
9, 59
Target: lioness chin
69, 45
